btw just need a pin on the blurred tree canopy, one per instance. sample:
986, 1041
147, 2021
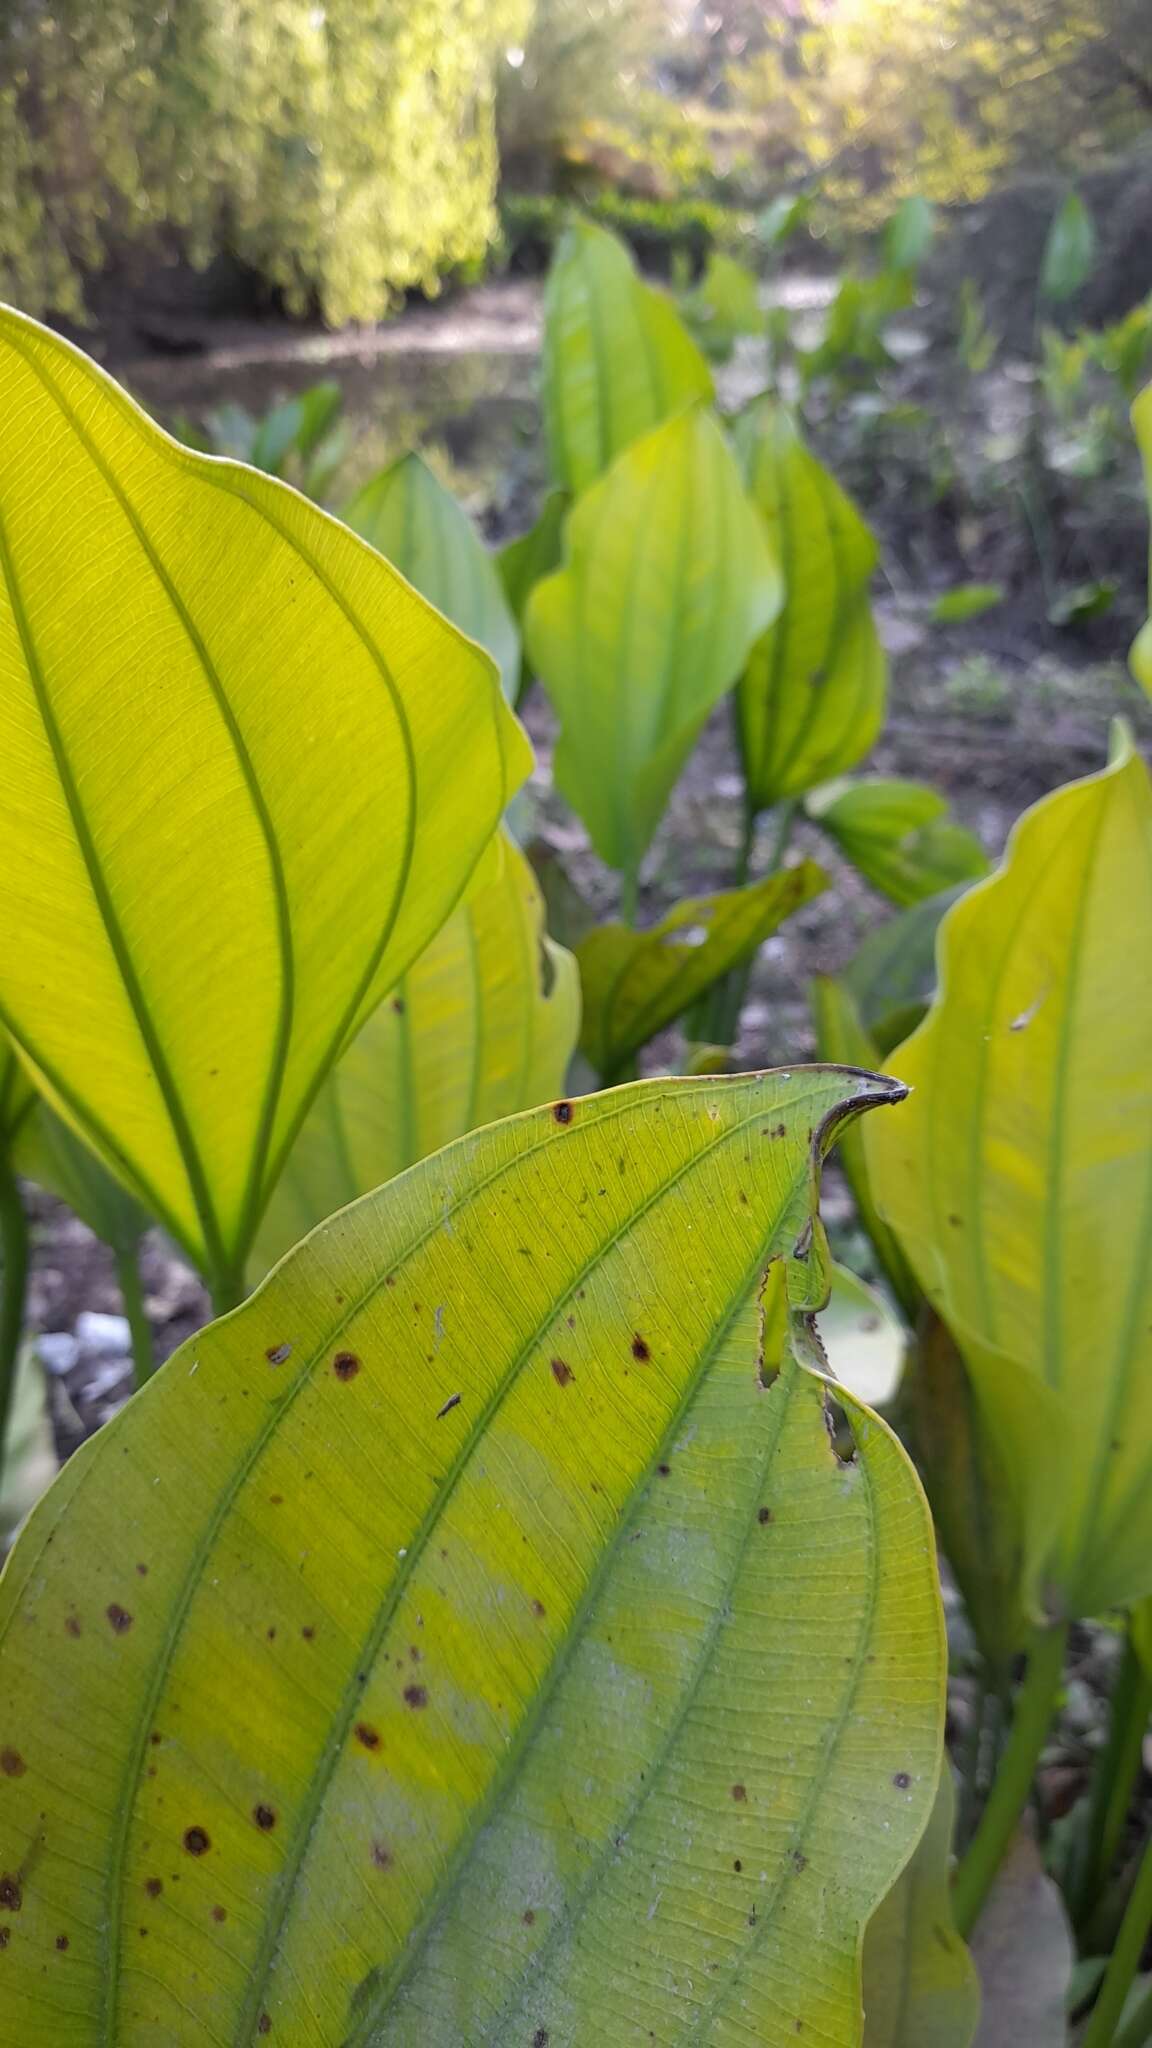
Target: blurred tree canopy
343, 148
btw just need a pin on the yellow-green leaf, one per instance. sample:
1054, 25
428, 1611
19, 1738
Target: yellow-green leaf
841, 1038
667, 580
920, 1983
245, 773
617, 357
483, 1024
811, 699
524, 562
409, 517
635, 983
1017, 1176
1142, 421
898, 834
476, 1637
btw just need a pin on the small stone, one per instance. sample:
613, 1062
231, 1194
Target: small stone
57, 1352
113, 1378
103, 1336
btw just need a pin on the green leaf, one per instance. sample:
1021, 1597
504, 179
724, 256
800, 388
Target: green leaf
458, 1698
966, 601
1142, 421
1016, 1176
1069, 253
17, 1095
781, 218
524, 562
891, 977
864, 1342
411, 519
1084, 601
49, 1152
920, 1984
811, 699
898, 835
909, 234
667, 580
842, 1040
636, 983
724, 304
617, 357
245, 773
483, 1024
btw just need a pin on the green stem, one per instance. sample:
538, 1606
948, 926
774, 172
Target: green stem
1112, 1783
1035, 1706
14, 1248
1124, 1964
132, 1297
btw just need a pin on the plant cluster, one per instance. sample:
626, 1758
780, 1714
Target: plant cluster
502, 1624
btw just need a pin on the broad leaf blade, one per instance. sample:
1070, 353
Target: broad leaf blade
411, 519
617, 358
667, 581
920, 1984
1016, 1177
524, 562
457, 1698
483, 1024
863, 1339
636, 983
811, 700
246, 774
1069, 253
899, 835
892, 974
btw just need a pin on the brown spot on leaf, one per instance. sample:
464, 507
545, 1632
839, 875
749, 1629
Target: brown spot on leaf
5, 1936
528, 1917
196, 1841
799, 1860
119, 1618
12, 1763
61, 1942
308, 1632
955, 1222
72, 1625
142, 1570
11, 1896
561, 1372
264, 2023
276, 1354
398, 1005
764, 1516
154, 1886
219, 1914
539, 1609
540, 2038
345, 1365
264, 1817
416, 1695
640, 1350
381, 1856
902, 1780
737, 1865
367, 1736
740, 1794
562, 1114
663, 1470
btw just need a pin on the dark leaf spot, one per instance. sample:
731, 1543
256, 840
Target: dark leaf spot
529, 1918
955, 1222
219, 1914
271, 1634
398, 1005
277, 1353
416, 1695
561, 1372
381, 1856
345, 1365
264, 1817
452, 1402
307, 1632
799, 1860
196, 1841
72, 1625
264, 2023
12, 1763
539, 1609
902, 1781
562, 1114
11, 1896
366, 1736
740, 1793
119, 1617
155, 1737
640, 1350
737, 1865
777, 1130
5, 1936
61, 1942
540, 2038
764, 1516
663, 1470
142, 1569
154, 1886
